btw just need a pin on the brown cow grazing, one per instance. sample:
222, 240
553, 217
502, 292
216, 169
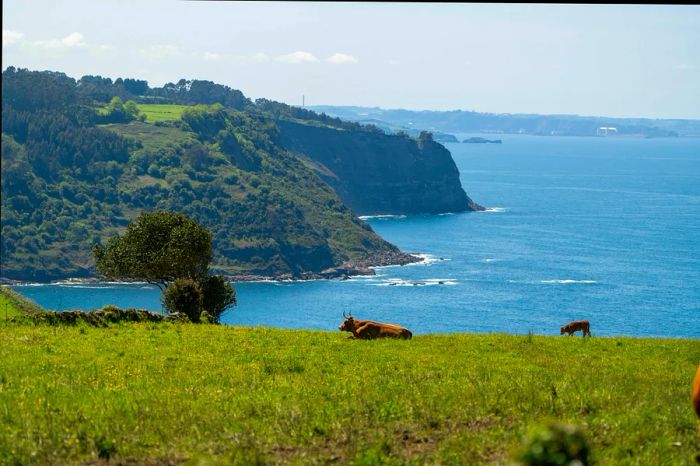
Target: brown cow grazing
369, 329
696, 392
572, 327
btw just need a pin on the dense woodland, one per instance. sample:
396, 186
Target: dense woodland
79, 162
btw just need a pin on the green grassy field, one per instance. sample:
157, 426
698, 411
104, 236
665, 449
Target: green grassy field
12, 304
7, 308
161, 112
164, 393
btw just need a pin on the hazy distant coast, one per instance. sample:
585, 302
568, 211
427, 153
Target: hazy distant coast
459, 121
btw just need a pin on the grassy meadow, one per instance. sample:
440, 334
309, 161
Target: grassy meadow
203, 394
161, 112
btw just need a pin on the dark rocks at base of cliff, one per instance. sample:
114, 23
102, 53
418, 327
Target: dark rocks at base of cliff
473, 206
345, 270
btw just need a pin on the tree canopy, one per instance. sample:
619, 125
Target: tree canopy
157, 247
172, 251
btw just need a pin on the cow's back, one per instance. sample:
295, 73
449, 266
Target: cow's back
371, 330
395, 331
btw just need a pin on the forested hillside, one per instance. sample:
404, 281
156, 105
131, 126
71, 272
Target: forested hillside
82, 158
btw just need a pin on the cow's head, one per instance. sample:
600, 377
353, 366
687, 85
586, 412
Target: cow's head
348, 324
563, 329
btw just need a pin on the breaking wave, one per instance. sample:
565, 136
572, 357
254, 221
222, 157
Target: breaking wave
566, 281
426, 282
379, 217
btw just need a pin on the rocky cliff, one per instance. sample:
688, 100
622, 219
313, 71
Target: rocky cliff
374, 173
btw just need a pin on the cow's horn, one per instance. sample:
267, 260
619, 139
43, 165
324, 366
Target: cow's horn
344, 316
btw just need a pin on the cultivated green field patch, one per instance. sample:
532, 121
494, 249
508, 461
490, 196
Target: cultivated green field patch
173, 393
162, 112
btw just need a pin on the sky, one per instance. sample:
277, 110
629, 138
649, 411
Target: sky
602, 60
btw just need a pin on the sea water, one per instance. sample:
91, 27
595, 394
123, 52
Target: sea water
603, 229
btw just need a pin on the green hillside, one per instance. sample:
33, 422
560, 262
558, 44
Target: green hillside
78, 163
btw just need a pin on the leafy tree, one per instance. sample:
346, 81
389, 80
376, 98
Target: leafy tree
158, 247
171, 251
135, 86
34, 90
132, 110
184, 295
218, 296
116, 105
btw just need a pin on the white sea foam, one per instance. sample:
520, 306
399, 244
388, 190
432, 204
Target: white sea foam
380, 217
494, 209
428, 259
365, 278
489, 259
426, 282
566, 281
85, 286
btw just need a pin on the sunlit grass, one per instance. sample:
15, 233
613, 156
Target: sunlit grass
174, 392
161, 112
12, 304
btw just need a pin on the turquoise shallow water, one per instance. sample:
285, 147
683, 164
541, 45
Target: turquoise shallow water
580, 228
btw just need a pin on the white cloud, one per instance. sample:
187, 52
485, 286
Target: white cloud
212, 56
74, 39
393, 62
160, 51
341, 59
297, 57
11, 37
261, 58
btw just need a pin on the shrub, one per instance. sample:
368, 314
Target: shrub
555, 445
218, 296
184, 295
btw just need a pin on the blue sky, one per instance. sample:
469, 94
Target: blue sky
613, 60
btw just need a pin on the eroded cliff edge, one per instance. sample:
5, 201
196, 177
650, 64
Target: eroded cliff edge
374, 173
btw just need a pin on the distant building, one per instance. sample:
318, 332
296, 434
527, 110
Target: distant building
606, 130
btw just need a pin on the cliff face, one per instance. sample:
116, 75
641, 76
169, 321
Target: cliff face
379, 174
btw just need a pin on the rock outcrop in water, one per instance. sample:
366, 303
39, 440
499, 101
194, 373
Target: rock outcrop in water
374, 173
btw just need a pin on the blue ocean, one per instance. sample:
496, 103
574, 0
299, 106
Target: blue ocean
603, 229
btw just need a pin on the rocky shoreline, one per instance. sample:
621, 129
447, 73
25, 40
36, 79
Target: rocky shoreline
344, 271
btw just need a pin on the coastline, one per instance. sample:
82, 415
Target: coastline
344, 271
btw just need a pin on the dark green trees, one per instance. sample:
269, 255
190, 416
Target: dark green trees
164, 247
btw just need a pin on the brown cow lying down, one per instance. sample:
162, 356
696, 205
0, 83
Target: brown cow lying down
696, 393
572, 327
369, 329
